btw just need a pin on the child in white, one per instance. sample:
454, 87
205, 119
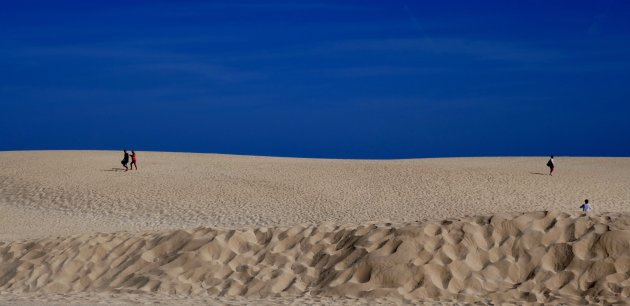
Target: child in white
586, 207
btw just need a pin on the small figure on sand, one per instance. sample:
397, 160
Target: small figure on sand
551, 165
586, 207
133, 160
125, 160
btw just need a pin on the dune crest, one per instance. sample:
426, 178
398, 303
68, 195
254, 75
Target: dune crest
549, 257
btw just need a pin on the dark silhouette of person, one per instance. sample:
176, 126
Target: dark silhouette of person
125, 160
551, 165
133, 160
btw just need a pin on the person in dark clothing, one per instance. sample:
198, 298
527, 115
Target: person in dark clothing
125, 160
551, 165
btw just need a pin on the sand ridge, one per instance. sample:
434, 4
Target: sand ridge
544, 257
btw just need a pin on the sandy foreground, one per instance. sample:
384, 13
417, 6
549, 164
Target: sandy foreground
218, 229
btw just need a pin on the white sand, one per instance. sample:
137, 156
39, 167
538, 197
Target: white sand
305, 229
48, 193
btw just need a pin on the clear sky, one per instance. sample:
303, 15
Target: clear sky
338, 79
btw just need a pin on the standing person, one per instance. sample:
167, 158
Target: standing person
551, 165
125, 160
586, 207
133, 160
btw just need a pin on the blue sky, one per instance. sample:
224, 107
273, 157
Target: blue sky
338, 79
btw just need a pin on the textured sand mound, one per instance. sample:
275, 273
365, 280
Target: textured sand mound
541, 256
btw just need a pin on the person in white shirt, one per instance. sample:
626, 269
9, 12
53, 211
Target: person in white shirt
586, 207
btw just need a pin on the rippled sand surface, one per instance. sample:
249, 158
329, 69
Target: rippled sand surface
219, 229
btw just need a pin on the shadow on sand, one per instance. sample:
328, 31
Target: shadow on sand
538, 173
115, 169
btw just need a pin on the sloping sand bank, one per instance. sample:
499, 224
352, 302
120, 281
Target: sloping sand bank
60, 193
190, 229
548, 257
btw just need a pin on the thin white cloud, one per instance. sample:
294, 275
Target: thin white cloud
476, 49
377, 71
212, 71
483, 49
280, 5
144, 59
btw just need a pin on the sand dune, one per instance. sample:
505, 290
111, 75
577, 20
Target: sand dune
73, 192
200, 228
534, 257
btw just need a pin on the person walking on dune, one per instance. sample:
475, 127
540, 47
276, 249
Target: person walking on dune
586, 207
133, 160
551, 165
125, 160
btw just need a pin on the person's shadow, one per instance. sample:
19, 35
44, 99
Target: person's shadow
115, 169
537, 173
